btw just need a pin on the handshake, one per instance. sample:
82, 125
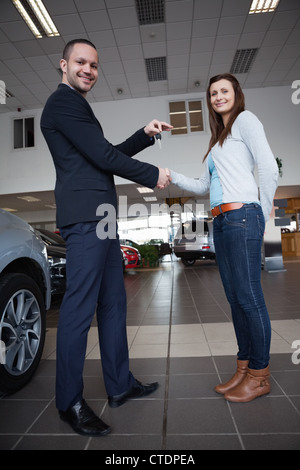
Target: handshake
164, 178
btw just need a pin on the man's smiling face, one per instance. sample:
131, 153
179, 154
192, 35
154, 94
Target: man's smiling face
80, 70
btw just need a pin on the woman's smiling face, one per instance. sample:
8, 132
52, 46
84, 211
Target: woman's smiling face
222, 98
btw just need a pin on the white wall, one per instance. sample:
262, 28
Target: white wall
32, 170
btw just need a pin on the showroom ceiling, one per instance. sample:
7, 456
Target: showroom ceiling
147, 48
186, 42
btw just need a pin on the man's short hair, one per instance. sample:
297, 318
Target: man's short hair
69, 46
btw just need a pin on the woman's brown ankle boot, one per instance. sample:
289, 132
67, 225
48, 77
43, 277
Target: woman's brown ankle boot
255, 384
242, 367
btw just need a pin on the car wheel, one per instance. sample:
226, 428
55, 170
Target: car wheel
22, 330
188, 262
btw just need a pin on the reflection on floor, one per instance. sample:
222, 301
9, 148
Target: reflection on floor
179, 333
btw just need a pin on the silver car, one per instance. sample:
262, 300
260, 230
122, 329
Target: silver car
25, 296
194, 240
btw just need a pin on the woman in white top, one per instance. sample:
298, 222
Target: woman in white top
240, 208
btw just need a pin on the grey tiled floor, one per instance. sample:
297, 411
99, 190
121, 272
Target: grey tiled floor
180, 334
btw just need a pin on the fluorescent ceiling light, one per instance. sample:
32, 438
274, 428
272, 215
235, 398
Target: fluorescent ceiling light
149, 199
28, 198
36, 17
8, 209
263, 6
145, 190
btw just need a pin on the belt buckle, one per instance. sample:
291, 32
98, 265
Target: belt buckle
213, 209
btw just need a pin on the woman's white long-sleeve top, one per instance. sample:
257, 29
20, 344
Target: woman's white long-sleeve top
243, 150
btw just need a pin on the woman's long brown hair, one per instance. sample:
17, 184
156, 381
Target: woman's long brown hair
218, 131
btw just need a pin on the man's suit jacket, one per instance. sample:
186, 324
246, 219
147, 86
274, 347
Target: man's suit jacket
85, 161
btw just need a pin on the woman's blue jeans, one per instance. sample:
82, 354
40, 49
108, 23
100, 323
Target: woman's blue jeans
238, 238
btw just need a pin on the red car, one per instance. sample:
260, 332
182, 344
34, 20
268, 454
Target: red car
133, 256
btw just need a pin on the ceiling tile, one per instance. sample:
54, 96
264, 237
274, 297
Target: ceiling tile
8, 51
138, 77
59, 7
202, 44
181, 46
69, 24
126, 36
108, 54
231, 25
180, 30
119, 3
274, 38
40, 62
95, 20
155, 49
206, 27
198, 38
177, 73
153, 33
258, 23
131, 52
102, 39
203, 58
132, 66
285, 19
251, 40
179, 60
17, 31
283, 63
262, 65
18, 65
29, 48
3, 37
20, 90
224, 43
236, 7
29, 78
123, 17
222, 57
8, 12
90, 5
52, 45
112, 68
3, 69
204, 9
291, 50
268, 53
179, 11
139, 88
294, 37
52, 75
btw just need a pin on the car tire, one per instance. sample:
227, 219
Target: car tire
22, 330
188, 262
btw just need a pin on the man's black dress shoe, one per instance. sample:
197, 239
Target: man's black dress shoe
84, 421
138, 390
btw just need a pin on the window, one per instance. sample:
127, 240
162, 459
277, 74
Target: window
23, 133
186, 116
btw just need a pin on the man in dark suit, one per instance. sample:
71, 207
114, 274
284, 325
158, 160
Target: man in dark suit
85, 163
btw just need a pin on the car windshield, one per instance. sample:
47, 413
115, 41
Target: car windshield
51, 238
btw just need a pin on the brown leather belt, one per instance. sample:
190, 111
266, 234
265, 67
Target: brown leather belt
231, 206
